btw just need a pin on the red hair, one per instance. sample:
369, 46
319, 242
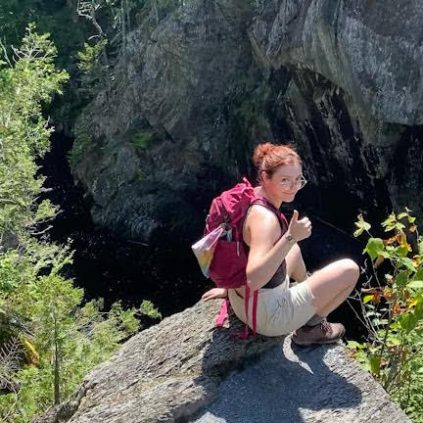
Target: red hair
268, 157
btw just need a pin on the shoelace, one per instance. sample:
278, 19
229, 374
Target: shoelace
325, 326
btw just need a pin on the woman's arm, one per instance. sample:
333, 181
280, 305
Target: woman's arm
262, 232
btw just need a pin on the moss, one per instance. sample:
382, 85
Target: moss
142, 139
82, 142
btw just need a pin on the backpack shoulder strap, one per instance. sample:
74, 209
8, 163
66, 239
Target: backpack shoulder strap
268, 205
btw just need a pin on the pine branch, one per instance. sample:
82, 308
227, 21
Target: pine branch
10, 355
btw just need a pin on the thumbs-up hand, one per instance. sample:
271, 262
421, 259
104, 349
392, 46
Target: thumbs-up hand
299, 229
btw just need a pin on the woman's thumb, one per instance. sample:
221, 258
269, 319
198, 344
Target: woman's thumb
294, 217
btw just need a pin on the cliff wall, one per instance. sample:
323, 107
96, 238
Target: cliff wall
202, 82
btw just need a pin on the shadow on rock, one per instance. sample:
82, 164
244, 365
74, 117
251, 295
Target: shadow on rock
286, 383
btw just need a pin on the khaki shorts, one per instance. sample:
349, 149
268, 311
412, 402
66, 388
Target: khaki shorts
280, 310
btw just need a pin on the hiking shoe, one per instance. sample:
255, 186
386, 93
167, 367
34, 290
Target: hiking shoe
323, 333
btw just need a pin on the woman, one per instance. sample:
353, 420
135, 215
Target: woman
274, 256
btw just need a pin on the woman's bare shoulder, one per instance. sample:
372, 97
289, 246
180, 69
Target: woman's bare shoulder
260, 216
261, 226
258, 211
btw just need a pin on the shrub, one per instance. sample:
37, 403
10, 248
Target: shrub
48, 339
392, 305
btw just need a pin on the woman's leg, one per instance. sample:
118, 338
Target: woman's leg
331, 285
296, 270
295, 265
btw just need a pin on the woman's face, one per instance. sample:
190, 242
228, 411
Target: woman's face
285, 182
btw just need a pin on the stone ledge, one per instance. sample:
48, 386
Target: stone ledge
185, 369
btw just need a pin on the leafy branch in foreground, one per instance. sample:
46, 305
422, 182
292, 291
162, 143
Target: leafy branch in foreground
48, 339
392, 308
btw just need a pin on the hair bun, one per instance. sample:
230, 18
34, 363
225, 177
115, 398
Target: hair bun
269, 157
260, 153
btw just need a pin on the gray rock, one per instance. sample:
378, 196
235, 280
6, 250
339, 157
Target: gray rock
354, 98
167, 93
371, 51
199, 86
185, 369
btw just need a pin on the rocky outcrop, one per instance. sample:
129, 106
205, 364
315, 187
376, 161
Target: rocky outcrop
186, 369
201, 83
147, 144
353, 100
370, 52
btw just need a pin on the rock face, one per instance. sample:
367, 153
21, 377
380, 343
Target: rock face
199, 84
185, 369
353, 100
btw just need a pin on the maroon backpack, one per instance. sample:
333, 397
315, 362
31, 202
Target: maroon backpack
228, 266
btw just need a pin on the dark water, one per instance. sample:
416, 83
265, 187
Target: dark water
168, 275
110, 267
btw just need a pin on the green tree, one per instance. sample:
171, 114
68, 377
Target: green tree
48, 338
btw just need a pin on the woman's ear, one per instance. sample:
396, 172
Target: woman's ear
264, 176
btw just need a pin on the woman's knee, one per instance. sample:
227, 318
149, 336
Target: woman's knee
350, 270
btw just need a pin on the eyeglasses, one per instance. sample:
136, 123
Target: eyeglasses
298, 183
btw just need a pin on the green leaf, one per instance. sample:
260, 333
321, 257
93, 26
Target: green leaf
393, 340
402, 251
395, 326
389, 223
407, 263
367, 299
361, 225
415, 285
408, 321
374, 248
374, 362
362, 358
354, 345
401, 279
